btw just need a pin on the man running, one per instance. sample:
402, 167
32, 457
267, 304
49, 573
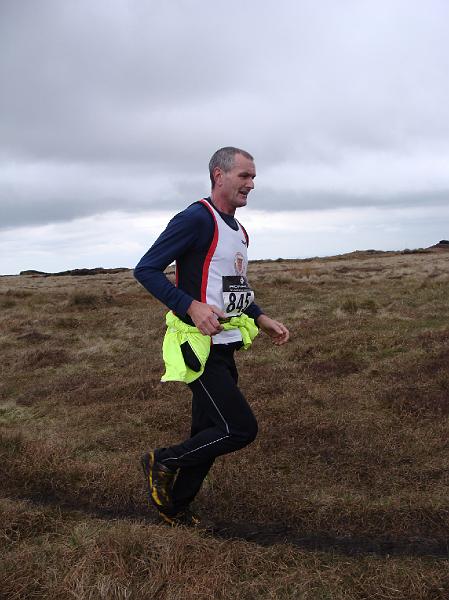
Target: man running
211, 296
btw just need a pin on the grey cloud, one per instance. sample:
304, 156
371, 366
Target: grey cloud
51, 210
305, 201
55, 193
120, 104
103, 80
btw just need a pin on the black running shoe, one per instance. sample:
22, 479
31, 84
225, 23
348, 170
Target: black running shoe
159, 479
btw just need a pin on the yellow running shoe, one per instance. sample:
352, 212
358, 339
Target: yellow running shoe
159, 480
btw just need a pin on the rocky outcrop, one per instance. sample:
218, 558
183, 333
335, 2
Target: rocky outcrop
444, 244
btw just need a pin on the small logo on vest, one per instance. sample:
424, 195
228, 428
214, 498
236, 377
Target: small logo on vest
240, 264
245, 243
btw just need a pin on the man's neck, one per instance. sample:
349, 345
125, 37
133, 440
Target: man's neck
220, 204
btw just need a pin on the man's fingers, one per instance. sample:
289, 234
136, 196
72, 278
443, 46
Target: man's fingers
215, 327
283, 334
210, 329
220, 314
279, 329
285, 331
210, 325
205, 317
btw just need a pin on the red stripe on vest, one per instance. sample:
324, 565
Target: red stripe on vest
210, 253
244, 233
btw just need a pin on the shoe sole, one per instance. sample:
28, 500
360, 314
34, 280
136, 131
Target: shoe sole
168, 520
174, 523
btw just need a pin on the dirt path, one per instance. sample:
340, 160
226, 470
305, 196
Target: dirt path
272, 533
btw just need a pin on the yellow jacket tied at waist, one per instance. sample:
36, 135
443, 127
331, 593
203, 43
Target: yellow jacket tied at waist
179, 332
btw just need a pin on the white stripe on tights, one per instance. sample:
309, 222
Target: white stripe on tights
209, 443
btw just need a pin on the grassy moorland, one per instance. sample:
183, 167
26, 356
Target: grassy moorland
344, 495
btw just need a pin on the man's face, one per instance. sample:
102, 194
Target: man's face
236, 184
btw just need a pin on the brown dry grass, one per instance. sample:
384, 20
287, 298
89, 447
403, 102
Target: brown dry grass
344, 495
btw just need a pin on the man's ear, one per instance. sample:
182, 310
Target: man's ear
218, 176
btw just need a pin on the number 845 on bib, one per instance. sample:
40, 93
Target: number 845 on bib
237, 295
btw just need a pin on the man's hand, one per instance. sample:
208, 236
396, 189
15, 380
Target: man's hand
277, 331
205, 317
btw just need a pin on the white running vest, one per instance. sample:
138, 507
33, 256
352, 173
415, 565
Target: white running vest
224, 282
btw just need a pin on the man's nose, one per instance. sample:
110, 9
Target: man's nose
250, 184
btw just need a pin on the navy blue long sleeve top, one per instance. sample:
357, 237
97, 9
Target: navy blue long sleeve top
189, 231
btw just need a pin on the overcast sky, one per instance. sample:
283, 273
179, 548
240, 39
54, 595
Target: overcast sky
111, 109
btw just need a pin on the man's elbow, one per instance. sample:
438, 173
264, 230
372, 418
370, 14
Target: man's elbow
140, 273
148, 277
136, 272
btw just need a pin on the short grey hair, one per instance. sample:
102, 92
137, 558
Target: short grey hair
224, 159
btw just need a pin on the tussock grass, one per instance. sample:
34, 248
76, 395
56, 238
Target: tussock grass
83, 299
6, 303
342, 496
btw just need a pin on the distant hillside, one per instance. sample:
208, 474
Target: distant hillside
96, 271
441, 245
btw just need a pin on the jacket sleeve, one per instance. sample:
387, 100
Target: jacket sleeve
254, 311
183, 232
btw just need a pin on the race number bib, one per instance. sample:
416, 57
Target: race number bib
237, 295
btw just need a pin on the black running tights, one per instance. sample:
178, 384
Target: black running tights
222, 422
